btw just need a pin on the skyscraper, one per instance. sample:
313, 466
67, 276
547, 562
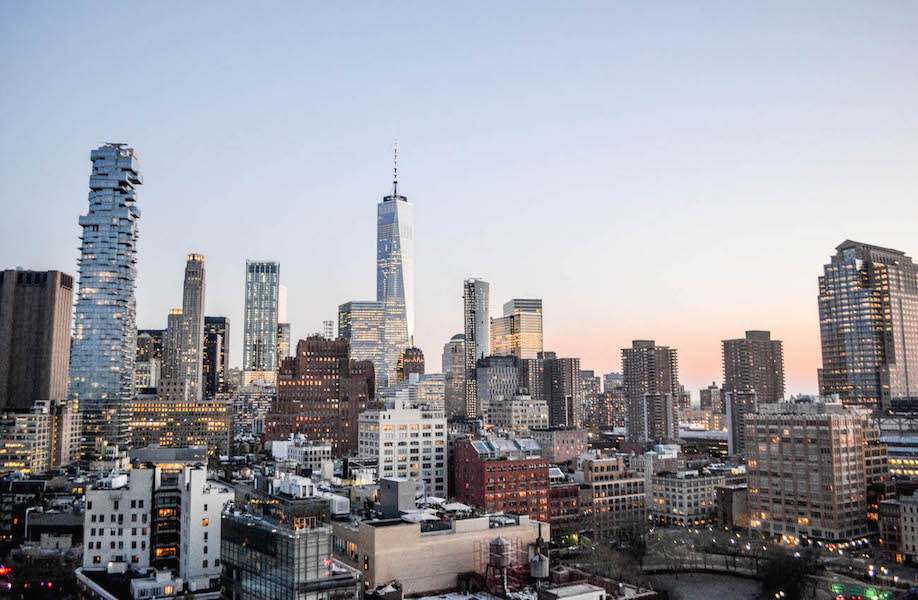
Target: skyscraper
361, 323
453, 367
755, 364
868, 322
395, 272
477, 318
104, 338
561, 378
259, 343
739, 405
410, 361
590, 389
34, 337
193, 326
284, 342
322, 392
519, 331
651, 376
216, 354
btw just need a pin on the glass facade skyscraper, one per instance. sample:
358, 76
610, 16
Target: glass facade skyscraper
519, 332
868, 324
361, 324
105, 331
395, 276
259, 344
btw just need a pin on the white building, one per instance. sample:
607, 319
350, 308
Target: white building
429, 388
303, 452
117, 521
408, 441
202, 504
684, 498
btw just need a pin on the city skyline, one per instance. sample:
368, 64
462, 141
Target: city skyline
804, 193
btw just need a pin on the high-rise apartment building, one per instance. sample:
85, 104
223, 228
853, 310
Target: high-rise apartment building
562, 391
410, 361
807, 472
476, 299
104, 337
712, 398
34, 337
590, 389
651, 379
259, 343
739, 405
320, 393
868, 323
216, 354
519, 332
453, 367
755, 364
612, 380
192, 348
361, 323
395, 274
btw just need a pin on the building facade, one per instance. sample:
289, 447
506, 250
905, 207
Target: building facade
651, 380
684, 498
806, 471
411, 361
34, 337
476, 300
453, 367
519, 332
361, 324
868, 325
613, 498
105, 331
755, 363
259, 337
320, 393
182, 423
216, 355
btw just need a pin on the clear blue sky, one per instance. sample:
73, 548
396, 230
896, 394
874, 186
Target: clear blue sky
677, 171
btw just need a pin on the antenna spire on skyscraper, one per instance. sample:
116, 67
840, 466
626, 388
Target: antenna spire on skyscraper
395, 169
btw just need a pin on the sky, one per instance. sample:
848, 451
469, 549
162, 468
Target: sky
670, 171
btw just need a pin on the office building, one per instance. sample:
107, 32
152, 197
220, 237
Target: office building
259, 338
216, 355
361, 324
410, 361
518, 413
496, 377
806, 471
171, 370
104, 337
283, 341
250, 407
408, 441
429, 389
502, 474
612, 499
180, 423
651, 380
387, 550
519, 332
46, 437
685, 498
453, 367
712, 398
739, 405
476, 299
561, 444
755, 364
320, 393
34, 337
277, 545
868, 324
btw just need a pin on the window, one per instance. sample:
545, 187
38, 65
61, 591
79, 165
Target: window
204, 522
205, 564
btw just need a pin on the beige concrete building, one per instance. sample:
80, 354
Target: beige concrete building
807, 472
520, 414
427, 557
560, 444
684, 498
612, 497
